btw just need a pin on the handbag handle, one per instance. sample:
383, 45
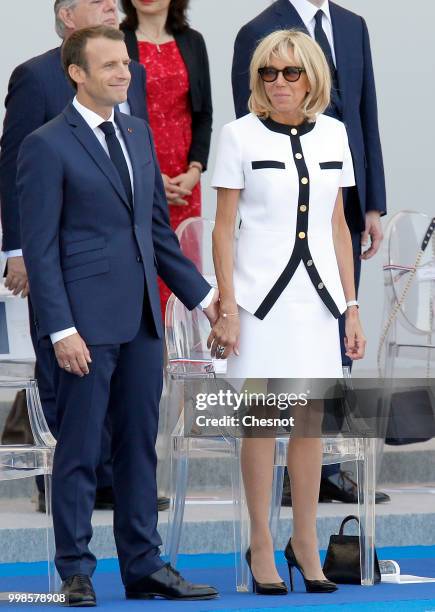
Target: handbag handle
351, 517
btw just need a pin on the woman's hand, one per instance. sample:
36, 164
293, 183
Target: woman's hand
174, 191
225, 333
187, 180
354, 341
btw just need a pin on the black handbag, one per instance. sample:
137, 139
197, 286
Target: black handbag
412, 413
17, 428
342, 561
418, 404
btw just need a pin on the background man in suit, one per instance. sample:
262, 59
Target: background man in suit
39, 91
95, 229
344, 39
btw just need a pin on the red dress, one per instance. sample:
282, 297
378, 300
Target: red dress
171, 123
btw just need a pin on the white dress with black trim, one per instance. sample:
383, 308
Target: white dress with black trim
286, 276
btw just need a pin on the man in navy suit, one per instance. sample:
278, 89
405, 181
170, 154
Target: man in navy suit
95, 231
38, 92
344, 39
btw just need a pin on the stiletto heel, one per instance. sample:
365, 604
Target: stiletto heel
265, 588
290, 573
311, 586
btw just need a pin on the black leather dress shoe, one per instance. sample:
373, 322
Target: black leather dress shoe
169, 584
104, 499
40, 504
79, 592
162, 503
346, 491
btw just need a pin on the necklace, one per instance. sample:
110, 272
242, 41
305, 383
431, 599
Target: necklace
153, 40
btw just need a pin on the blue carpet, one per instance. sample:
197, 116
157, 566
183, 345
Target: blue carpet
218, 570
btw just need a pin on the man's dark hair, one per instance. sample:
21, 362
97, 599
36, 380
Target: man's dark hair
175, 23
73, 49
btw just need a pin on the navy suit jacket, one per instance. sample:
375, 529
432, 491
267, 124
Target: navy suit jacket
91, 259
38, 92
355, 81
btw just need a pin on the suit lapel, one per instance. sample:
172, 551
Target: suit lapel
134, 151
87, 138
341, 56
288, 16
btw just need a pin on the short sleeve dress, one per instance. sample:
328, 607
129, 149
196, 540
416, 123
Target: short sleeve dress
286, 277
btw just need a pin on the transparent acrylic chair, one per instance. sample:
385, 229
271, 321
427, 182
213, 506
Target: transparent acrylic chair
409, 303
409, 291
189, 360
28, 460
194, 235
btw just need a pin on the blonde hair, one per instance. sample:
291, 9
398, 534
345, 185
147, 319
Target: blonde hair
308, 55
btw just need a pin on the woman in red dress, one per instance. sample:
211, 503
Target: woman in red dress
178, 98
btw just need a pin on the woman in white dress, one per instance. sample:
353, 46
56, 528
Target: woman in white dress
282, 168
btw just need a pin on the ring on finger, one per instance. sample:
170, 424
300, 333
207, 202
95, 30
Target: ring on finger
67, 366
220, 350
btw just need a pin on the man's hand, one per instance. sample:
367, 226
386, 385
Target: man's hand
374, 230
73, 355
212, 310
16, 278
175, 192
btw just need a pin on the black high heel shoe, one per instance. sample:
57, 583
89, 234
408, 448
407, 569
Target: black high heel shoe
265, 588
311, 586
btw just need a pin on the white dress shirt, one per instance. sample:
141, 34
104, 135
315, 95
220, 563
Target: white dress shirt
307, 12
124, 108
94, 120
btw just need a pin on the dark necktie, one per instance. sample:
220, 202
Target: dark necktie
321, 38
117, 156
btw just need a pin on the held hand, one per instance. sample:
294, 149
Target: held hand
212, 310
374, 230
225, 334
16, 278
175, 192
354, 341
73, 355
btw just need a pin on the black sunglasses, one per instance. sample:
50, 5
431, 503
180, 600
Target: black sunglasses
290, 73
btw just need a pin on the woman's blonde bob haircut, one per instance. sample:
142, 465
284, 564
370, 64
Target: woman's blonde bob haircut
308, 55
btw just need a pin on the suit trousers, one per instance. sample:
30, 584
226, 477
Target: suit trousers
45, 364
125, 383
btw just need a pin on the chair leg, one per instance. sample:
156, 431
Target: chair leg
241, 519
387, 392
178, 490
53, 577
366, 472
171, 404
